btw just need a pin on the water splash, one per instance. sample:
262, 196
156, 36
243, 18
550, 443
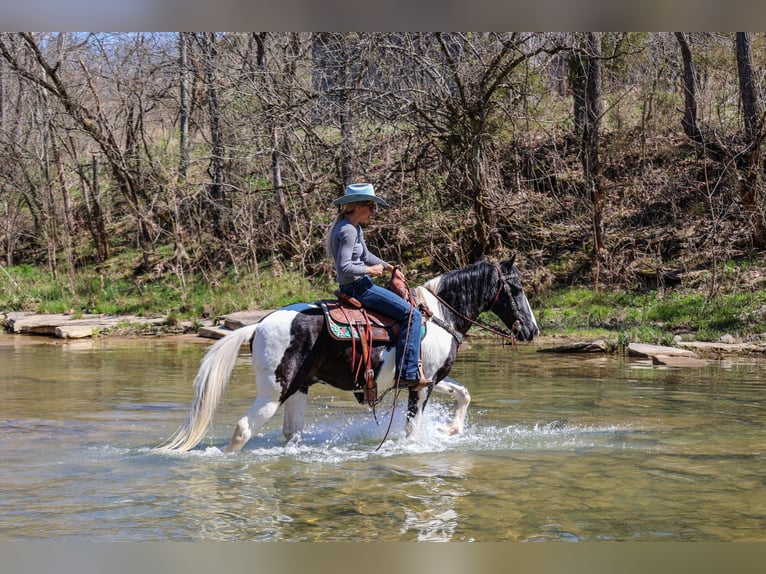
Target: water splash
355, 437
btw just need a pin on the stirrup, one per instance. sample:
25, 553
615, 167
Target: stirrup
424, 381
416, 384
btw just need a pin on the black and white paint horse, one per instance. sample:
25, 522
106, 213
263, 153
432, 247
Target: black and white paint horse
292, 350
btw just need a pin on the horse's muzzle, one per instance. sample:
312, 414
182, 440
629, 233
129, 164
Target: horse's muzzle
524, 333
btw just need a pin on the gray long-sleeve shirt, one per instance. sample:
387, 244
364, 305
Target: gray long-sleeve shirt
350, 252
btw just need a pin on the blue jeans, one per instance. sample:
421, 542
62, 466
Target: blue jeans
379, 299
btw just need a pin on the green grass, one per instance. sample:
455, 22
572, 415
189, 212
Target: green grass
619, 317
652, 317
27, 288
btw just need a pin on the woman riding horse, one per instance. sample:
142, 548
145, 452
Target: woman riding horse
354, 263
292, 348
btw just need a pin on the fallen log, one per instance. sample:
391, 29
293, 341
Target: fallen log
597, 346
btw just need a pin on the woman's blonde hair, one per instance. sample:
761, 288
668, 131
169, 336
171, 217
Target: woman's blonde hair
344, 210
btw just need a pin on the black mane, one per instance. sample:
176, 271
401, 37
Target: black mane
470, 290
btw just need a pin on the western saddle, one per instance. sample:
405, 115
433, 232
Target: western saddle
348, 320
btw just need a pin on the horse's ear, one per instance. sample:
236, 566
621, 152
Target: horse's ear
512, 259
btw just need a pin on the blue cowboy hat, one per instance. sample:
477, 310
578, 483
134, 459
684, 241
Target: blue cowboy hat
359, 192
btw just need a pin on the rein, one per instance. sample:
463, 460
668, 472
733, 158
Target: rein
407, 295
450, 329
504, 334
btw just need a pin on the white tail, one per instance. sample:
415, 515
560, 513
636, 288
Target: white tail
213, 376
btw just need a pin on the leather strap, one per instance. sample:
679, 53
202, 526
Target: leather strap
365, 337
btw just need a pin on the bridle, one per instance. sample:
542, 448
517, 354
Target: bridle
517, 320
504, 334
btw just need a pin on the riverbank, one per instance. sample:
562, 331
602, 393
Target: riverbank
71, 326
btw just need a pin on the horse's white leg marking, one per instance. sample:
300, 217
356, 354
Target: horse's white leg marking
449, 386
295, 416
259, 414
413, 425
437, 351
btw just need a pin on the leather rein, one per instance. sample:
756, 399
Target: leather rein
453, 331
459, 336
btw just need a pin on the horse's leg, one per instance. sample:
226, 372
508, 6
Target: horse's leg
295, 415
267, 401
264, 407
463, 397
416, 401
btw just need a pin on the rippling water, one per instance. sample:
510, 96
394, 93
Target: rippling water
555, 448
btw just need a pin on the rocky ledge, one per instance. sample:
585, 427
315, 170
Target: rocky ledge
68, 326
685, 354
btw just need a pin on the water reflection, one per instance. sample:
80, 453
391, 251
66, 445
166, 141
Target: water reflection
555, 448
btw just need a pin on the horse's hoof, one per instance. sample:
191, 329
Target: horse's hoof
294, 440
556, 425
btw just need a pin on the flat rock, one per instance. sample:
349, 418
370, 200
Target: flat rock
678, 361
232, 322
74, 332
65, 326
46, 324
717, 349
646, 351
243, 318
213, 332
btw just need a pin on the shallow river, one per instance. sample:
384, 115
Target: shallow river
555, 448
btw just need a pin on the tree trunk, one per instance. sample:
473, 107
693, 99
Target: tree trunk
346, 133
183, 88
96, 215
689, 121
590, 138
488, 238
271, 118
2, 96
65, 213
749, 166
751, 107
577, 83
216, 200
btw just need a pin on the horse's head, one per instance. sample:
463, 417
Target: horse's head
511, 304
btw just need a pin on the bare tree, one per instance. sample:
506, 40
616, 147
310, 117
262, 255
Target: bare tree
689, 122
338, 58
216, 203
750, 163
183, 108
91, 193
590, 158
92, 120
744, 165
267, 84
456, 97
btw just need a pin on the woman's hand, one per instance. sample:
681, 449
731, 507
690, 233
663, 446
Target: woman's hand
375, 270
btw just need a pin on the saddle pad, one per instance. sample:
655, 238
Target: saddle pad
344, 322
